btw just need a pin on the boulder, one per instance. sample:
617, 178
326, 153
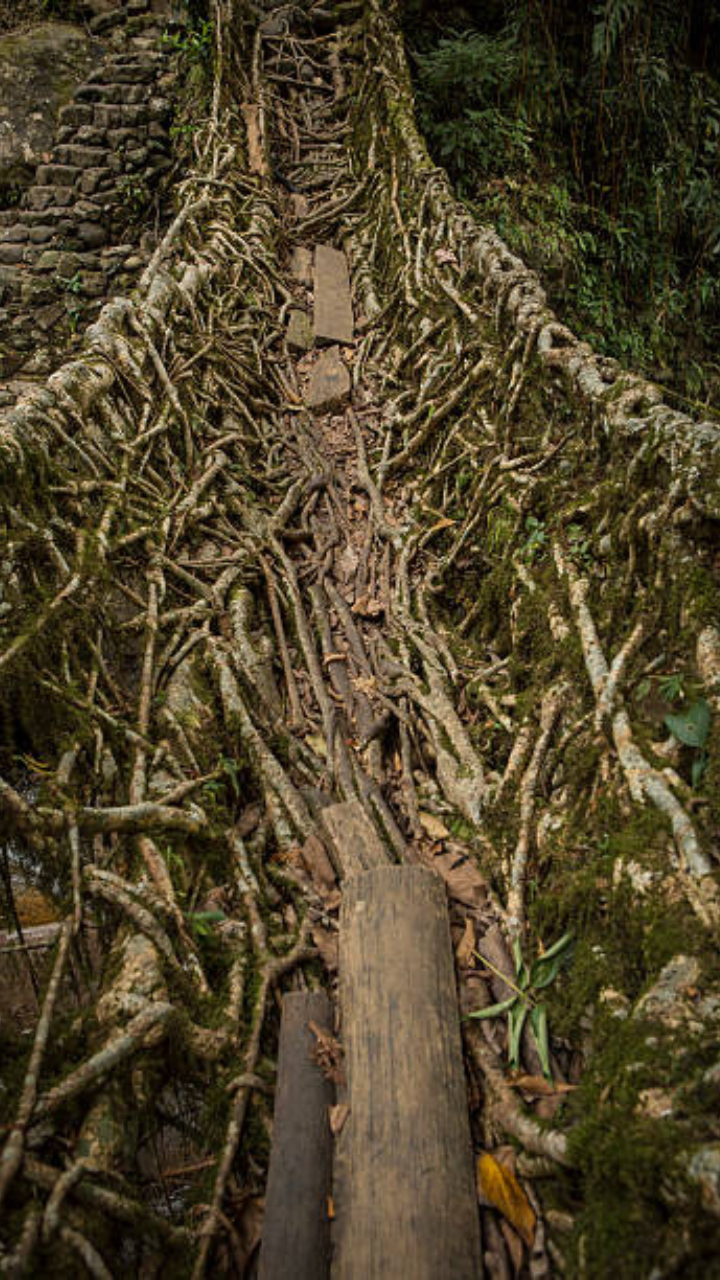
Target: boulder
40, 68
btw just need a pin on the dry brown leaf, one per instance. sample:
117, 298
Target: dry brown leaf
462, 877
441, 524
433, 826
502, 1189
327, 944
317, 743
337, 1116
539, 1086
368, 607
514, 1246
328, 1054
317, 864
465, 948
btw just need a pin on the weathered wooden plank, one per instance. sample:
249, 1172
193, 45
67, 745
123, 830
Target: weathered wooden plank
333, 318
354, 843
404, 1193
296, 1230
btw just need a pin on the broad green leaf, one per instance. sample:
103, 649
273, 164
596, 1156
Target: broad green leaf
493, 1010
691, 727
539, 1029
516, 1022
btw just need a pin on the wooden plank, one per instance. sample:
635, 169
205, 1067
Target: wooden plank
333, 318
296, 1229
354, 843
404, 1193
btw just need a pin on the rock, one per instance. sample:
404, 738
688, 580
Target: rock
704, 1168
15, 235
39, 71
92, 235
81, 157
333, 319
670, 999
12, 254
41, 234
301, 264
329, 385
64, 175
299, 333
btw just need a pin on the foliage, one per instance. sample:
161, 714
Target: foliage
590, 136
523, 1005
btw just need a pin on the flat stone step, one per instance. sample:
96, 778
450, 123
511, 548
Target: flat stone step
333, 318
329, 385
299, 331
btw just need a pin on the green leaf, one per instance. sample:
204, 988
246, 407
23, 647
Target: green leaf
699, 766
516, 1022
493, 1010
539, 1030
545, 971
206, 917
691, 727
561, 945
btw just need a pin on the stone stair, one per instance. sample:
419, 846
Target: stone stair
58, 259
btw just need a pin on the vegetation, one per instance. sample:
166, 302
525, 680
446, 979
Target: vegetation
589, 135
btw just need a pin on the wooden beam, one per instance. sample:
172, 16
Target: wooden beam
354, 843
404, 1191
296, 1229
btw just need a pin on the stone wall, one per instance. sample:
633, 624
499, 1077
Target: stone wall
65, 248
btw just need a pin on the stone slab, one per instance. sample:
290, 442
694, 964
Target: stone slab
301, 264
333, 320
299, 332
329, 385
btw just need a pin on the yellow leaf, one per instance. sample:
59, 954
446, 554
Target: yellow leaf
317, 742
501, 1188
433, 827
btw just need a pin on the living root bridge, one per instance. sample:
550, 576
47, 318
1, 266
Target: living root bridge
465, 603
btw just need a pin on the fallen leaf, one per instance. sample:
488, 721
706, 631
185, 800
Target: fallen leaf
432, 826
337, 1116
317, 863
328, 1054
317, 743
541, 1087
502, 1189
331, 1208
441, 524
327, 944
368, 607
463, 880
465, 948
249, 819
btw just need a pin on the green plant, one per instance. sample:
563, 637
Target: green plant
133, 193
672, 687
193, 43
73, 286
535, 545
523, 1003
201, 922
691, 728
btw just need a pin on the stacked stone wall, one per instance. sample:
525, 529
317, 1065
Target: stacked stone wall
66, 247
